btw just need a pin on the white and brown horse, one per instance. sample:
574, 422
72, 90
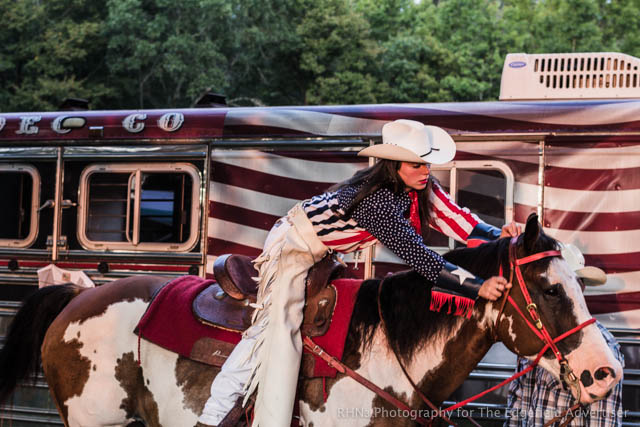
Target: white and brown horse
90, 352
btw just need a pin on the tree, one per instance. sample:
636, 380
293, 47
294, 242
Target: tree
162, 53
338, 54
264, 53
468, 29
619, 25
51, 50
568, 26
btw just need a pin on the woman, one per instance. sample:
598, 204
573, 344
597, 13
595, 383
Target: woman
393, 202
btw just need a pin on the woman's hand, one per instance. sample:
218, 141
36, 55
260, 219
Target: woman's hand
493, 287
510, 230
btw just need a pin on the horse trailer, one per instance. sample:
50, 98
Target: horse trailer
164, 192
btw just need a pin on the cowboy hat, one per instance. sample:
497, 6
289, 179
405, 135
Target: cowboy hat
411, 141
591, 276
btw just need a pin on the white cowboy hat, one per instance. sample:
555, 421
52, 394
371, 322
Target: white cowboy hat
411, 141
591, 276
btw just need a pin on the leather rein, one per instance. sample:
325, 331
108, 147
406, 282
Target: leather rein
566, 374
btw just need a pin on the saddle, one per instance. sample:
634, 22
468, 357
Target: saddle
228, 304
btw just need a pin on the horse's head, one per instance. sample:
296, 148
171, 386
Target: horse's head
556, 292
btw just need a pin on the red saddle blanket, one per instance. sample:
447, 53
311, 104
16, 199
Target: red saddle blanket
169, 322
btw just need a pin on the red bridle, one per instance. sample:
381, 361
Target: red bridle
566, 374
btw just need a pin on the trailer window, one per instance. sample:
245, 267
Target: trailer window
142, 207
485, 188
20, 197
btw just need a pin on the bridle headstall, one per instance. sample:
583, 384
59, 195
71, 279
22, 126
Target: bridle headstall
533, 321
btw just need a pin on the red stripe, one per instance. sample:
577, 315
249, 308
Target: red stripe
592, 179
94, 266
454, 208
586, 142
614, 263
591, 221
455, 227
251, 130
522, 212
266, 183
242, 216
613, 303
220, 247
362, 236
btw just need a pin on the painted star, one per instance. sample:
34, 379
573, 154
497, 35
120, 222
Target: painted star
462, 274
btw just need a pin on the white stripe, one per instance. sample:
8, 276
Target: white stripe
623, 319
446, 230
599, 242
237, 233
559, 112
616, 283
453, 216
272, 164
250, 199
210, 260
579, 200
504, 150
576, 158
314, 122
593, 201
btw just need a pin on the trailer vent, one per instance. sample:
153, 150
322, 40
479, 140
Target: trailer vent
570, 76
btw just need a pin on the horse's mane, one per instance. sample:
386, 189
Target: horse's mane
406, 297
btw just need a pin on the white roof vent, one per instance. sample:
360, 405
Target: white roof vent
570, 76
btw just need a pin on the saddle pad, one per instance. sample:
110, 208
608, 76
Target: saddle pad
169, 321
333, 341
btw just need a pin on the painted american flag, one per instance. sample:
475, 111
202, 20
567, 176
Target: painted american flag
591, 189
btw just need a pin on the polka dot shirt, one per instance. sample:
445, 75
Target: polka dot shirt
378, 217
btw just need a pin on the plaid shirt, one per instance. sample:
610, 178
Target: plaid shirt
537, 397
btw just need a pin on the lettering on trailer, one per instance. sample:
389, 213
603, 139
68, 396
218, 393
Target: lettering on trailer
133, 123
28, 125
56, 125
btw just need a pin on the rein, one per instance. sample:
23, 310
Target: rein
566, 374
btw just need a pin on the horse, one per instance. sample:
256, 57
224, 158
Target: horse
99, 374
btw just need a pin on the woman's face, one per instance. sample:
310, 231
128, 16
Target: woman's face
414, 175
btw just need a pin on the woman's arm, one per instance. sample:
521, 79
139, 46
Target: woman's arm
462, 225
381, 215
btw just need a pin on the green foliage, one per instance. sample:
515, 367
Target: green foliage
337, 52
50, 51
264, 53
160, 54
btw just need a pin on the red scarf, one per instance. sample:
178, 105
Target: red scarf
414, 212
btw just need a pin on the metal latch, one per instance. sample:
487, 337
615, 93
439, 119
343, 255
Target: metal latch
62, 242
48, 204
66, 203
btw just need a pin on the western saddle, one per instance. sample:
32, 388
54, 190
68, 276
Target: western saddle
228, 304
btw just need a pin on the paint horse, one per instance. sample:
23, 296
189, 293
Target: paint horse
90, 352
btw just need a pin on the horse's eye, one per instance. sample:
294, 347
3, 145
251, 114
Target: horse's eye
553, 290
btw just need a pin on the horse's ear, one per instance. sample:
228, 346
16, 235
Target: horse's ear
531, 232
